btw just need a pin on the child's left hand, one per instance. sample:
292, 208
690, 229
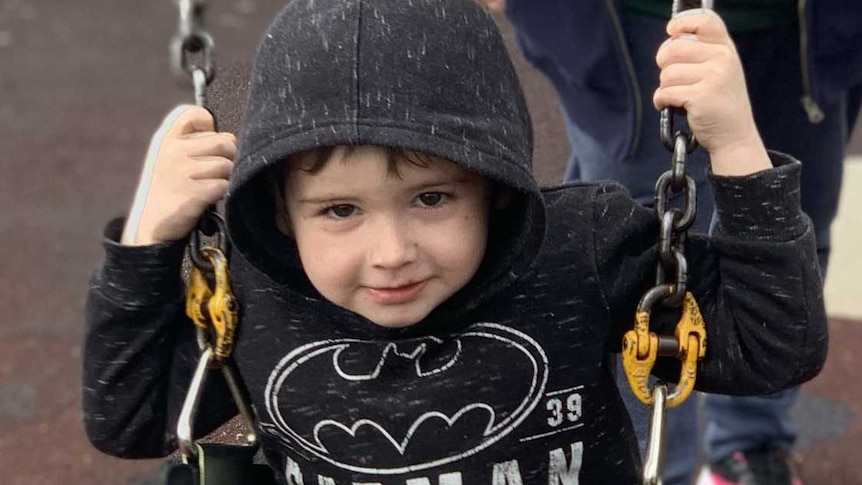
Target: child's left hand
496, 6
701, 72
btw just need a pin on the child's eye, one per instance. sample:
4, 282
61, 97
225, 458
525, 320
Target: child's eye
431, 199
340, 211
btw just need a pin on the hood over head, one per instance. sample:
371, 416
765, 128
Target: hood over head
431, 76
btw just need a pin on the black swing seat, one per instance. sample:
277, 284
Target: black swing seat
220, 464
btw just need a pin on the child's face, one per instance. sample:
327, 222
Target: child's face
390, 247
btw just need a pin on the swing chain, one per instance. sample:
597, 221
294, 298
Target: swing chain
213, 309
192, 39
641, 347
674, 222
210, 302
680, 5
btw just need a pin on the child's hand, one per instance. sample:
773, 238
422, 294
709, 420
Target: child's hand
190, 173
701, 72
496, 6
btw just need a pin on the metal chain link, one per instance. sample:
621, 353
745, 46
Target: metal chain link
674, 223
641, 347
672, 269
193, 40
212, 308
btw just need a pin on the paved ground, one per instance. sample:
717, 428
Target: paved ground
82, 86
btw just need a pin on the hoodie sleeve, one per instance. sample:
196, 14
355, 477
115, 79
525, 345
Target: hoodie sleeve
756, 281
140, 352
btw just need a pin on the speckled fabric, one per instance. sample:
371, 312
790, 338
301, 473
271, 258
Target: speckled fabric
509, 381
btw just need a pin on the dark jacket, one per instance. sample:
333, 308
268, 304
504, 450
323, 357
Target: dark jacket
581, 46
507, 380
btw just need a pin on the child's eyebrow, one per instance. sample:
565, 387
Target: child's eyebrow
460, 179
326, 198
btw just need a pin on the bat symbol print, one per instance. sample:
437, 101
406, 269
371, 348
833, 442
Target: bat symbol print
396, 407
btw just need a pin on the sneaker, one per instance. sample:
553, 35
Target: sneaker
757, 467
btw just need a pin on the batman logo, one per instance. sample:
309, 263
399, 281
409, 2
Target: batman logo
396, 407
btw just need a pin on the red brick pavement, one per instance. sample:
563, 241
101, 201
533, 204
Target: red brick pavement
835, 460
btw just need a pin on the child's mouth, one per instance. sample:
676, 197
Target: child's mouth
397, 294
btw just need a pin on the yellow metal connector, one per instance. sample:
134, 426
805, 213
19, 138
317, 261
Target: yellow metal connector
641, 348
215, 309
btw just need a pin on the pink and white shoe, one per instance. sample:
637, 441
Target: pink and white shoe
766, 466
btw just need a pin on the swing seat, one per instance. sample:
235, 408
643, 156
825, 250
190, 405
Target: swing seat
220, 464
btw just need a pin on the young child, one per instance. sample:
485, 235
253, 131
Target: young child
414, 309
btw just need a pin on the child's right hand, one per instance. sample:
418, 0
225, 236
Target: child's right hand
190, 174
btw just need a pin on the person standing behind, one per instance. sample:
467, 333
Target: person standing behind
803, 67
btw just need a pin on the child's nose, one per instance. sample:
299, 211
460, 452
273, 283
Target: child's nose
393, 245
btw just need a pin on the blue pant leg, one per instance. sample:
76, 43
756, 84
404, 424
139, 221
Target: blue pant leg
773, 77
746, 423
